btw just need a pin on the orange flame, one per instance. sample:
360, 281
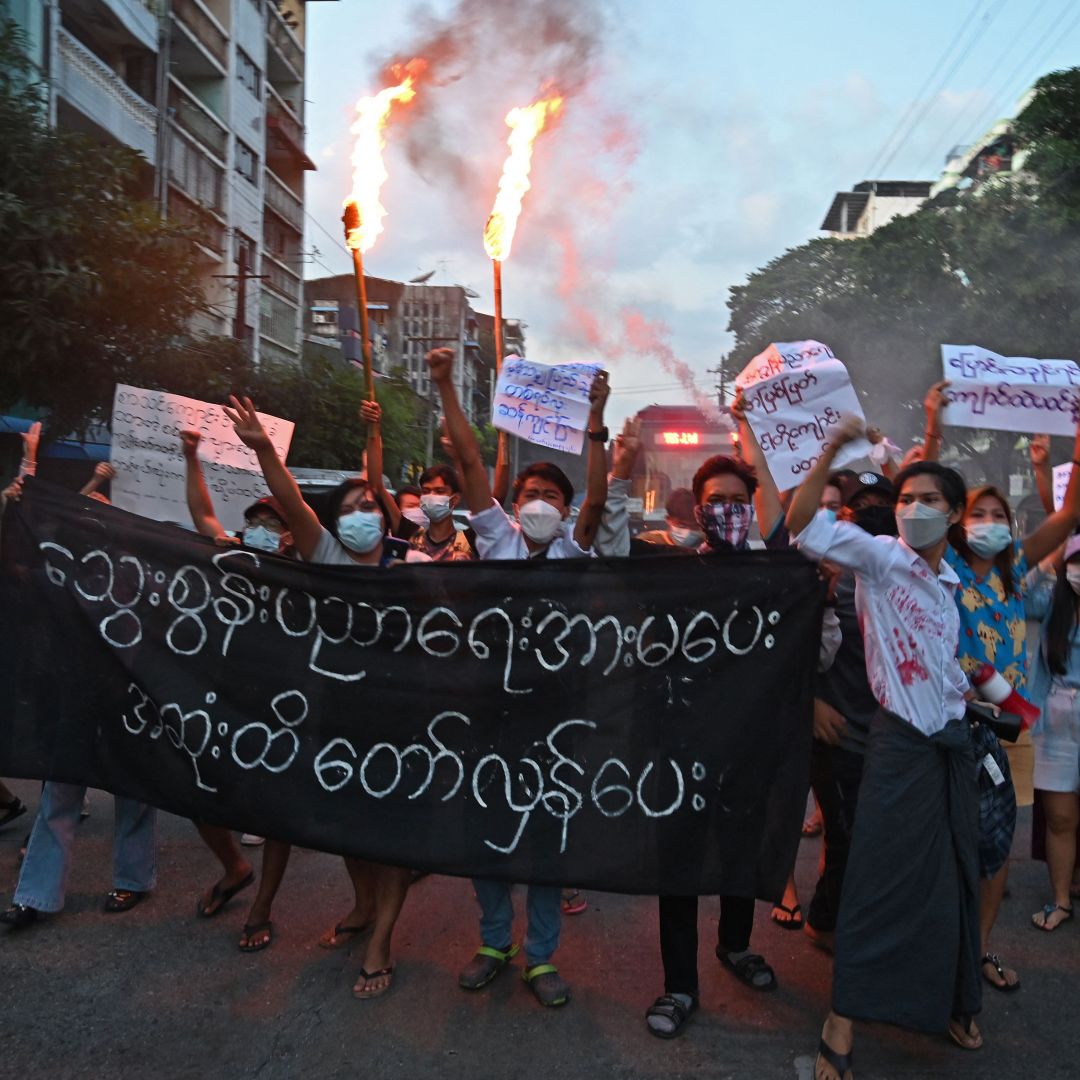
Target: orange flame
369, 172
525, 124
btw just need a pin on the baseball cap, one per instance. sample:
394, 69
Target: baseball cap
870, 482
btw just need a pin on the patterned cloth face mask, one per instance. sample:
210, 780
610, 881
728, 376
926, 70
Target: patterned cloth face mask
725, 524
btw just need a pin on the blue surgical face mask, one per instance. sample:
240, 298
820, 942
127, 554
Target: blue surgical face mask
261, 538
986, 539
829, 515
360, 531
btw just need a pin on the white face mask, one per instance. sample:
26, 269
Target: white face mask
360, 531
436, 507
987, 538
688, 538
1072, 575
415, 515
539, 520
921, 526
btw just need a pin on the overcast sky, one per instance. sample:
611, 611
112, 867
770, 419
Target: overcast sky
700, 139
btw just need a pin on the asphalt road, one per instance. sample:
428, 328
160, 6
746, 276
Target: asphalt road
156, 992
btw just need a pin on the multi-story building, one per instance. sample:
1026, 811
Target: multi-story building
871, 204
211, 93
408, 319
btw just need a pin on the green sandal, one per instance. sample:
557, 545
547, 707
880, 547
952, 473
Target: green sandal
484, 966
547, 985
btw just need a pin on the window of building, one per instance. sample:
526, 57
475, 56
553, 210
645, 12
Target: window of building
247, 161
248, 73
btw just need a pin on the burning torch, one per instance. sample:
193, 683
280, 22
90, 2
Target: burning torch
363, 211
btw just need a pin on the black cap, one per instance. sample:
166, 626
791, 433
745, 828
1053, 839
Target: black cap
870, 482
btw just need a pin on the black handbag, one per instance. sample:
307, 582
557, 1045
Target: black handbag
1005, 725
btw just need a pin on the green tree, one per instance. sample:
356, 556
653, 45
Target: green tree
95, 288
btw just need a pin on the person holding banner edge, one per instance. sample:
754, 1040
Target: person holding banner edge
356, 537
542, 495
992, 566
907, 936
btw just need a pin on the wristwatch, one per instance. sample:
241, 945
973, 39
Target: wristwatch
599, 436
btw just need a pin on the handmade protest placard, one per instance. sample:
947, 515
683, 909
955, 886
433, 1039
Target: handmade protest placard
545, 404
546, 721
150, 468
1010, 393
783, 356
795, 396
1062, 473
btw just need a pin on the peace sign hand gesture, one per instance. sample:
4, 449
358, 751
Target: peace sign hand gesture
246, 423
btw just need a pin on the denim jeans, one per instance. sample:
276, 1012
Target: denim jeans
543, 907
43, 880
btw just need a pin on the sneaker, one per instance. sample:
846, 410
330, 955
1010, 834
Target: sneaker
249, 839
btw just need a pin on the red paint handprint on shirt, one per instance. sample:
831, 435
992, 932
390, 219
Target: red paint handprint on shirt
910, 668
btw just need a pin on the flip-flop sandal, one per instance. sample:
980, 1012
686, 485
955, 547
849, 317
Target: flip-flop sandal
844, 1064
343, 935
251, 930
123, 900
547, 985
1047, 911
368, 975
960, 1031
11, 810
573, 903
745, 969
485, 965
995, 961
795, 922
672, 1009
219, 897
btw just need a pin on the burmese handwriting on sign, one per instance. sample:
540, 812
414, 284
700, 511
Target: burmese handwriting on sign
1010, 393
550, 721
150, 467
795, 413
1062, 473
780, 357
545, 404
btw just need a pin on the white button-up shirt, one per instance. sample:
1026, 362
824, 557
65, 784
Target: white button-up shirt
909, 621
498, 536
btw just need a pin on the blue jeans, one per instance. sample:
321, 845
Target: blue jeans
44, 875
543, 907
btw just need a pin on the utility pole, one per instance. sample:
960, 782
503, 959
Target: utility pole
720, 371
241, 277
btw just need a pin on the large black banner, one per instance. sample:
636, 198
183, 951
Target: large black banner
636, 726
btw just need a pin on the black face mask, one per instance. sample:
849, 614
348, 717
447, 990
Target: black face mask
876, 520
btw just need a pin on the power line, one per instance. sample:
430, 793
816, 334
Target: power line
960, 126
913, 105
987, 21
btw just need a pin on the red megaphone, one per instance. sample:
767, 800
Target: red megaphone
995, 688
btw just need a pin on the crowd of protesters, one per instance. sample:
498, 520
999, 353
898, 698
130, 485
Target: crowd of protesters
930, 596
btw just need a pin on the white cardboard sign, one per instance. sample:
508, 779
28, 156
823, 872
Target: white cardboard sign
796, 394
149, 464
1010, 393
1061, 483
545, 404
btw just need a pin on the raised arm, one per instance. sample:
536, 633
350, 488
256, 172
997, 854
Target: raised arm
200, 505
102, 471
501, 487
592, 509
934, 402
1055, 530
767, 504
807, 497
30, 440
371, 414
474, 478
1039, 450
302, 520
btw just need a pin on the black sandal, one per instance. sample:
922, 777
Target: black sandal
9, 811
219, 897
18, 915
745, 969
670, 1008
123, 899
995, 961
842, 1063
250, 930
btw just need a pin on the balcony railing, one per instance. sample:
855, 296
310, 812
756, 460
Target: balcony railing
196, 174
281, 280
279, 118
282, 38
191, 115
91, 86
283, 202
203, 28
211, 231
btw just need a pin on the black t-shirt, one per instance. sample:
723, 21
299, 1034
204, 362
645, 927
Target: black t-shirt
845, 685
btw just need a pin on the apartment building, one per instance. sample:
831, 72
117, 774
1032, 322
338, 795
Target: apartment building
406, 320
871, 204
211, 93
